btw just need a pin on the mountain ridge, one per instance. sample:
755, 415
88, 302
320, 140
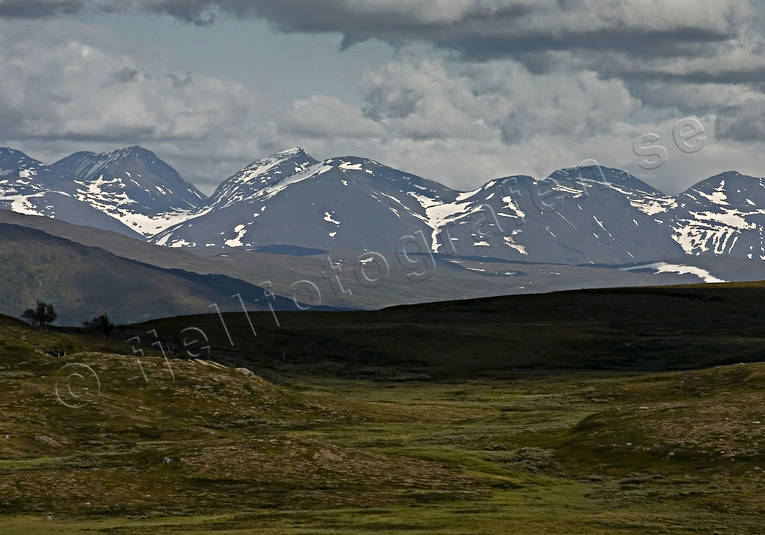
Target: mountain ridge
580, 215
295, 149
577, 215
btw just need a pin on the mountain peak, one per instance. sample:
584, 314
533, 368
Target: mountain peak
128, 152
16, 163
130, 184
731, 182
9, 150
731, 175
274, 164
602, 174
7, 153
84, 163
290, 152
261, 174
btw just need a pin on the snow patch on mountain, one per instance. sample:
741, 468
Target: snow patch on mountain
241, 231
517, 246
21, 203
328, 216
438, 213
664, 267
717, 196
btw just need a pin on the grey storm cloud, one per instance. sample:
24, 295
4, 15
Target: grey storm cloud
688, 40
473, 27
39, 8
625, 38
743, 123
491, 28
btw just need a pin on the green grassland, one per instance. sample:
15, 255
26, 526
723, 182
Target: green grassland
585, 442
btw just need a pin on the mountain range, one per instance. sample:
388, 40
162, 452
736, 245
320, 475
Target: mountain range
579, 215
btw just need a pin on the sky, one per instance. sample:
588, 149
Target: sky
459, 91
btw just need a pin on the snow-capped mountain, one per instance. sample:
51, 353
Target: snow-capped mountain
31, 187
568, 218
341, 203
245, 185
131, 185
723, 215
129, 190
22, 179
576, 216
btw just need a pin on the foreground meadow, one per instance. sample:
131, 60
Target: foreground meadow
213, 449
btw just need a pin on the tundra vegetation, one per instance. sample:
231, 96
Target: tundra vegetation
277, 443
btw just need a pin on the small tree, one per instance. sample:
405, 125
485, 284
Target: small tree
42, 316
100, 324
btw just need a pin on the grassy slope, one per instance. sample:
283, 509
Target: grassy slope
220, 450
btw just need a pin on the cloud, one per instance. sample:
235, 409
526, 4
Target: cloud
68, 88
473, 19
419, 98
493, 28
642, 43
696, 40
33, 9
77, 87
745, 122
695, 97
325, 116
474, 28
469, 121
490, 88
199, 12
